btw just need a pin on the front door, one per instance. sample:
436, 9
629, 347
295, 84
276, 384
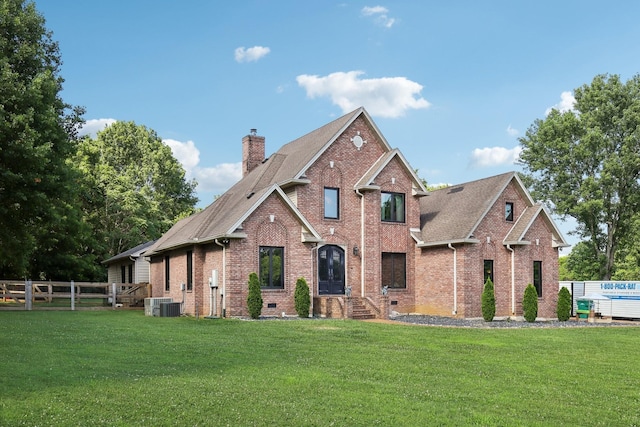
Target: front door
330, 270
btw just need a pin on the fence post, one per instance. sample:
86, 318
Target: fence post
113, 295
73, 298
28, 295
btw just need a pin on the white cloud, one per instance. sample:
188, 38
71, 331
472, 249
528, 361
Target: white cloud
185, 152
494, 156
219, 178
382, 97
379, 14
512, 132
567, 101
216, 179
373, 10
93, 126
251, 54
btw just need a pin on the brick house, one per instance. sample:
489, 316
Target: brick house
342, 209
485, 228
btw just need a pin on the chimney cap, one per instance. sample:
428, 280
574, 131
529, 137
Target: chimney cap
253, 131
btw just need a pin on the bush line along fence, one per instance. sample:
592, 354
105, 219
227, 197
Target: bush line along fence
25, 294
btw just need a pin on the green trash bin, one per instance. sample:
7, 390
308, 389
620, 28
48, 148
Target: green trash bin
584, 305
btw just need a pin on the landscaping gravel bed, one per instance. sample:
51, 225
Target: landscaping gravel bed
503, 323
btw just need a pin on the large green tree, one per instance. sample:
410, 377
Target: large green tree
586, 162
37, 130
134, 189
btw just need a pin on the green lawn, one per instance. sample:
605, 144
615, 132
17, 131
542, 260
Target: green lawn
122, 368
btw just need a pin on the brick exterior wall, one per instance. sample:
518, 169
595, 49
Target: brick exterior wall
429, 271
434, 269
341, 166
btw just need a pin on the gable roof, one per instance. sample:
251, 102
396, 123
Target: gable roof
452, 214
223, 218
131, 253
525, 221
367, 181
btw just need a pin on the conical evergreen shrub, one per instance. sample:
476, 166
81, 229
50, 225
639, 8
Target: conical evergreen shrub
530, 303
254, 298
564, 304
302, 298
488, 301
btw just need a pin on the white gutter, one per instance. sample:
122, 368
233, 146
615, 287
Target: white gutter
362, 251
513, 280
224, 277
455, 279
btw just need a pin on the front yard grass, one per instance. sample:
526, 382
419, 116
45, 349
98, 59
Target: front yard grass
122, 368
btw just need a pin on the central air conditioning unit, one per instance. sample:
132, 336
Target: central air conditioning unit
152, 306
170, 309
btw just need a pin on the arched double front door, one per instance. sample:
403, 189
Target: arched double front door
330, 270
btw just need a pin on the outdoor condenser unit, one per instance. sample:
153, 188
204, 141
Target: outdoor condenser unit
152, 306
170, 309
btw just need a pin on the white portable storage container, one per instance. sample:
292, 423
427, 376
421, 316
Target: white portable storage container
624, 297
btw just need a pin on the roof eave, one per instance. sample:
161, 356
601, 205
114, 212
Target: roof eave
310, 238
196, 241
448, 242
516, 243
371, 187
294, 182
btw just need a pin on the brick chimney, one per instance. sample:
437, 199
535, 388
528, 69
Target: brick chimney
252, 152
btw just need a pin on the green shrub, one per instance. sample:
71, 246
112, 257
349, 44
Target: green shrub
302, 298
564, 304
254, 299
488, 301
530, 303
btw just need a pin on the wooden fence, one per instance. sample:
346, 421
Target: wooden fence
24, 294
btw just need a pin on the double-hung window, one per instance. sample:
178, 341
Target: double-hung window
392, 207
271, 267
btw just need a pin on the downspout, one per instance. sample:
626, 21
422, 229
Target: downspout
224, 278
455, 279
513, 280
362, 251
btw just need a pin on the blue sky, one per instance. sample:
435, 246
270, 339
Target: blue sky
451, 84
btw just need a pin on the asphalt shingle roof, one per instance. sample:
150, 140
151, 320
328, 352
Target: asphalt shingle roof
453, 213
289, 163
133, 252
